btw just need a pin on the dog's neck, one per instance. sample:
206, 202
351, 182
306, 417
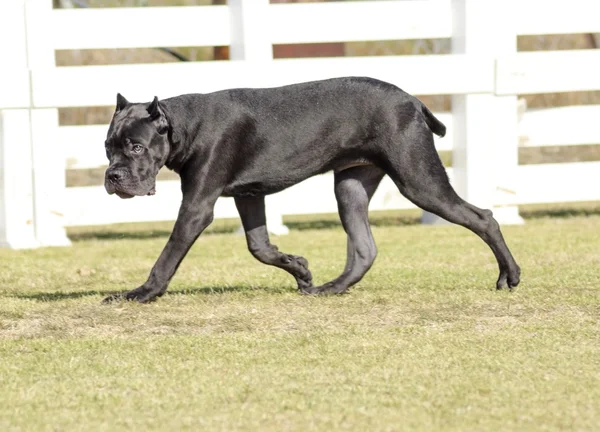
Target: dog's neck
182, 118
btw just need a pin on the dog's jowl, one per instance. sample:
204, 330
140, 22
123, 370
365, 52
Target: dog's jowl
248, 143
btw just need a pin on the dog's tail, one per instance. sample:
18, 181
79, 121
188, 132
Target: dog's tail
436, 126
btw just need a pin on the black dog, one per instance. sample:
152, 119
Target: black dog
248, 143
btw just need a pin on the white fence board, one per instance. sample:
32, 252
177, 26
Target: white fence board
12, 35
562, 126
302, 199
548, 72
285, 23
539, 17
388, 197
138, 27
359, 21
447, 142
558, 183
537, 184
93, 206
434, 74
83, 146
14, 88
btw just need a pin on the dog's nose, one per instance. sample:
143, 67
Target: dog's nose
115, 176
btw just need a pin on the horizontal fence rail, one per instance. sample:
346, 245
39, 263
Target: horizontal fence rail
14, 89
537, 184
284, 23
83, 147
558, 183
541, 17
288, 23
145, 27
423, 75
550, 126
548, 72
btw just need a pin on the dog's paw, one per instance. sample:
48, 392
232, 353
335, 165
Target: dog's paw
140, 294
308, 290
509, 278
305, 284
514, 278
330, 288
301, 273
299, 260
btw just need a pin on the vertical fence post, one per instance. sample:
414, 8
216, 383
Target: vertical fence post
48, 159
249, 38
506, 132
250, 42
16, 201
473, 113
485, 126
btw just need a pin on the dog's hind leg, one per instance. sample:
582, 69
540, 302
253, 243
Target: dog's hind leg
354, 188
252, 213
420, 176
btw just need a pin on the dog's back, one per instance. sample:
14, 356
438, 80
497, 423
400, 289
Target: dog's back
305, 129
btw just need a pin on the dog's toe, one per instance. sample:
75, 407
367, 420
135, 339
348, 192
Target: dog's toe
304, 281
513, 281
112, 298
302, 261
141, 295
331, 288
310, 290
128, 296
502, 281
305, 285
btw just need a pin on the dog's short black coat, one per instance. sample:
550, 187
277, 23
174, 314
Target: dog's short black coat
248, 143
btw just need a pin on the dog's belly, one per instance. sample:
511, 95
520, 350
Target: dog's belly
349, 165
273, 182
256, 188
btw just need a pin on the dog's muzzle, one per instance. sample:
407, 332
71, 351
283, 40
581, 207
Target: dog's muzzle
113, 183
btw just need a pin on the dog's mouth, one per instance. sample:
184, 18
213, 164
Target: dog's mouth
111, 189
124, 195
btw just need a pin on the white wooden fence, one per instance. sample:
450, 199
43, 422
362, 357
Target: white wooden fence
484, 74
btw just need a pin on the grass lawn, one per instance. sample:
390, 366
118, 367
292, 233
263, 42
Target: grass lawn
423, 343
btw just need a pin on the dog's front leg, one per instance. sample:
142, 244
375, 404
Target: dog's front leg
194, 216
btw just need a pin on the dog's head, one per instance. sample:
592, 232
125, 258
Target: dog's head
137, 146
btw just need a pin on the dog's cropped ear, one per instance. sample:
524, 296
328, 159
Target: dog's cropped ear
157, 116
153, 109
121, 102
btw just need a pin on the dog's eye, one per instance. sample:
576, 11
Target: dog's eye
137, 148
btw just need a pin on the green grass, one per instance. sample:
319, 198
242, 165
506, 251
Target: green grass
423, 343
